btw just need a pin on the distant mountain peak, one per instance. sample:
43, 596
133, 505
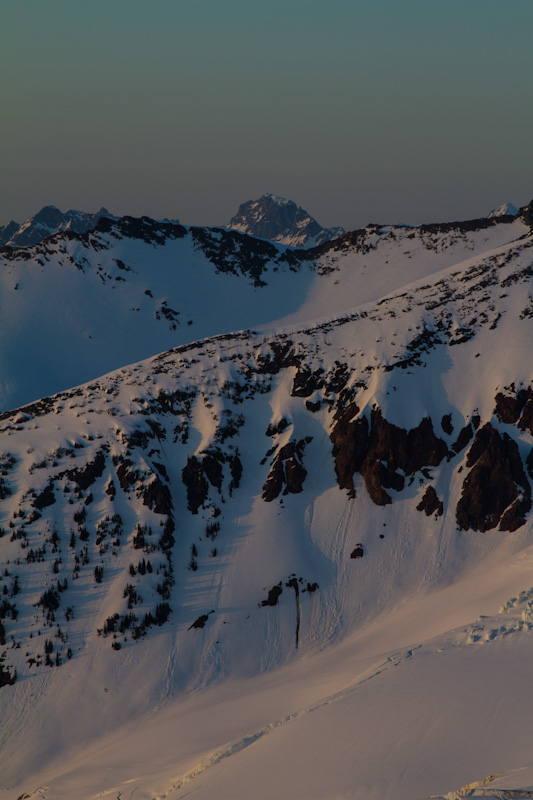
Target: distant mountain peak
505, 210
280, 220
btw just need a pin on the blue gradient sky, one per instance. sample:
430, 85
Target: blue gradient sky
382, 111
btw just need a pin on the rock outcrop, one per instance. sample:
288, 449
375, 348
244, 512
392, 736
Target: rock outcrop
496, 491
287, 472
382, 453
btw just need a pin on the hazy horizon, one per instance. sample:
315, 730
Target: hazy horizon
392, 113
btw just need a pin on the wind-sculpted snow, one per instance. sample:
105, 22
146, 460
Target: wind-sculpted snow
239, 504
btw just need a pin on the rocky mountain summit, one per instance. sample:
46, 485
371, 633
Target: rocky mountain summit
47, 221
280, 220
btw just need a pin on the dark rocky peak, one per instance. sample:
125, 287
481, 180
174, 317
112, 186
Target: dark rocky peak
49, 215
281, 220
7, 231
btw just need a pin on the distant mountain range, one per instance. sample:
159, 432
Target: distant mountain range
273, 218
47, 221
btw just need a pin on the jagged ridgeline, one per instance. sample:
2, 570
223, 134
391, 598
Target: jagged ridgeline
126, 503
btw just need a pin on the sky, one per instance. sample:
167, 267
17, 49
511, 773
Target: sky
384, 111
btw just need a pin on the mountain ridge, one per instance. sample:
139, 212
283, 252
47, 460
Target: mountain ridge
132, 287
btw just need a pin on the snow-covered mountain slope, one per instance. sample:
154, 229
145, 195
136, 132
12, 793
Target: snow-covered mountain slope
281, 220
292, 562
78, 305
46, 222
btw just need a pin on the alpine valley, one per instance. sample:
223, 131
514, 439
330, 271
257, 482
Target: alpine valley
265, 511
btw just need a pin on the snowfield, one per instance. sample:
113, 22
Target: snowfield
265, 563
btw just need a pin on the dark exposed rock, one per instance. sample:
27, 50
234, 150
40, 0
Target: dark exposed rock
338, 378
157, 497
86, 476
176, 402
6, 677
196, 484
465, 436
446, 424
423, 342
517, 409
350, 444
430, 503
212, 467
143, 228
200, 622
508, 409
207, 469
311, 406
126, 476
273, 596
527, 214
162, 470
392, 448
464, 226
287, 471
410, 450
235, 466
283, 356
139, 438
46, 498
496, 491
292, 583
358, 552
306, 382
406, 450
278, 427
380, 453
236, 253
515, 516
525, 423
378, 477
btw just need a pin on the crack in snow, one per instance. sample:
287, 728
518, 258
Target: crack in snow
241, 744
